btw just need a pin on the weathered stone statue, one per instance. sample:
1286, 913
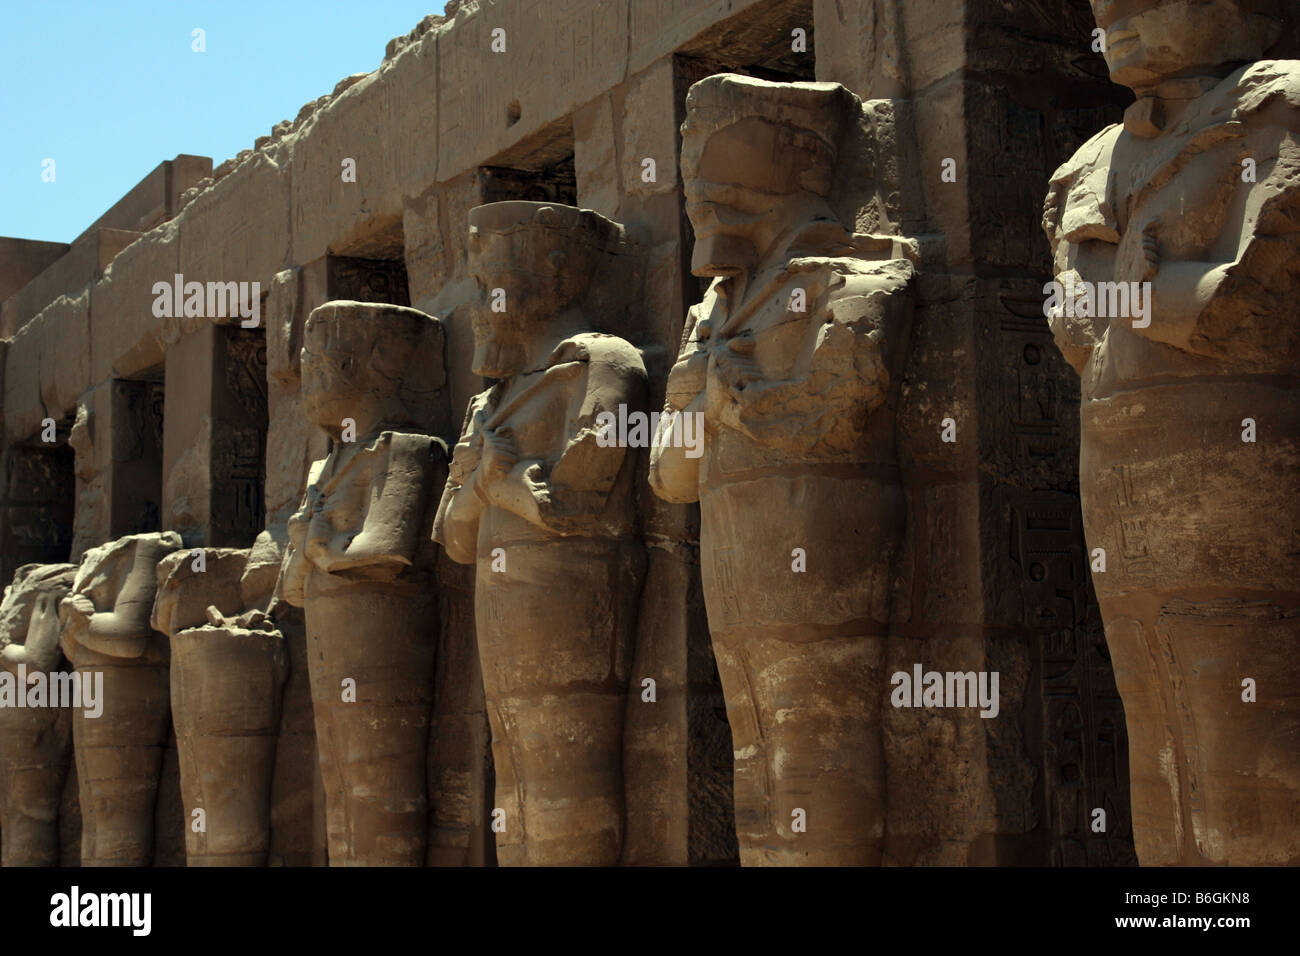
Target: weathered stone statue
228, 669
361, 563
1175, 238
35, 741
542, 503
792, 361
106, 630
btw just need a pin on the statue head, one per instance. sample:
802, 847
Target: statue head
374, 363
751, 151
1148, 41
533, 262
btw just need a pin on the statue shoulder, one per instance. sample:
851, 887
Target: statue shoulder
1264, 83
862, 276
1094, 152
847, 279
1078, 206
600, 349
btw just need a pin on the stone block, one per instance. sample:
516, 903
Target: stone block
939, 383
887, 49
84, 263
64, 333
22, 386
22, 260
188, 427
659, 27
125, 336
649, 128
238, 230
489, 102
387, 123
156, 198
91, 439
595, 157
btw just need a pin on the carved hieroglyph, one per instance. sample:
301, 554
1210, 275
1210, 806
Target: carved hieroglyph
35, 742
1190, 458
361, 564
788, 359
228, 669
544, 510
106, 630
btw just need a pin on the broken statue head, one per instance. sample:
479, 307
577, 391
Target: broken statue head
535, 264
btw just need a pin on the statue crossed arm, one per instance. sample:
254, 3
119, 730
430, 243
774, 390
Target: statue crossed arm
564, 488
818, 404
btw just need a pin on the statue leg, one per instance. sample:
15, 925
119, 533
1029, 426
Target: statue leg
1215, 777
119, 757
373, 731
1155, 790
555, 635
800, 651
226, 697
35, 747
805, 724
1199, 595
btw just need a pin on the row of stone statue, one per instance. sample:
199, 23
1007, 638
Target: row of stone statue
793, 362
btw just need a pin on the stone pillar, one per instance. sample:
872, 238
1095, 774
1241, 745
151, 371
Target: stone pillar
298, 821
117, 436
995, 571
677, 748
1182, 329
542, 506
461, 785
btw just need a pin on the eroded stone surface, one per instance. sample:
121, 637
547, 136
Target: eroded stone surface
543, 509
228, 670
106, 635
787, 362
35, 742
1193, 199
361, 564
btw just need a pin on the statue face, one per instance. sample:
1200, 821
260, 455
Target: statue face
508, 293
736, 178
333, 377
526, 279
1148, 41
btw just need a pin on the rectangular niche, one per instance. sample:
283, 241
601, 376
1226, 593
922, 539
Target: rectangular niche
36, 514
761, 42
237, 509
367, 280
136, 438
539, 168
555, 182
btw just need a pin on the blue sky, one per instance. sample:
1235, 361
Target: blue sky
108, 89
